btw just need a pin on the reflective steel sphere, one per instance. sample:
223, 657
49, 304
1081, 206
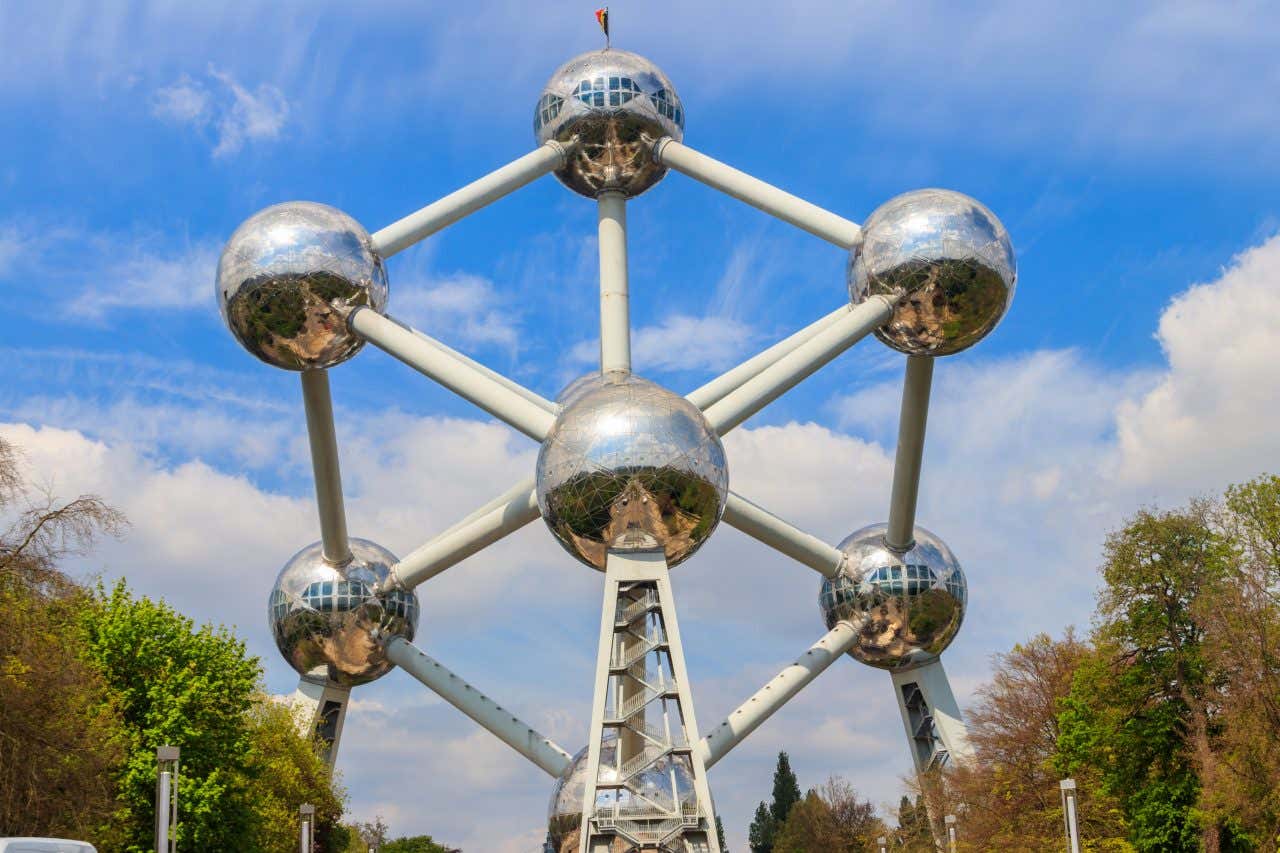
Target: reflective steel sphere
286, 278
907, 608
617, 104
650, 789
630, 465
321, 615
953, 259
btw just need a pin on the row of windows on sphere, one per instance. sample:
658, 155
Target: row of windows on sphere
620, 91
341, 596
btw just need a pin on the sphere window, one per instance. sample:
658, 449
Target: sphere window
548, 110
667, 104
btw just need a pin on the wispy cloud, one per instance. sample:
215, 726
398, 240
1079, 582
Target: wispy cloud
679, 342
223, 106
149, 280
461, 308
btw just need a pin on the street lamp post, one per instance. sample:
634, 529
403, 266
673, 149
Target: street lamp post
950, 821
166, 799
307, 820
1069, 817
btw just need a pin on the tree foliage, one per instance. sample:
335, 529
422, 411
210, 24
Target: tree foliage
770, 818
830, 819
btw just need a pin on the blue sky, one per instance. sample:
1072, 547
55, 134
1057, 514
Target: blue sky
1130, 153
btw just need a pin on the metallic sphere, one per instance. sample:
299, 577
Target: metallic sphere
287, 278
907, 607
617, 104
629, 465
321, 614
951, 257
649, 789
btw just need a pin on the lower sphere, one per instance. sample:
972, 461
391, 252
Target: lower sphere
652, 788
907, 608
322, 616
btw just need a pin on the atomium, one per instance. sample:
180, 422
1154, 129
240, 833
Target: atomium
906, 607
653, 787
631, 478
288, 275
629, 465
323, 616
951, 258
615, 105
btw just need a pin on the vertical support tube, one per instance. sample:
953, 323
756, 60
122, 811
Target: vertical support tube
324, 462
900, 535
306, 825
615, 319
163, 795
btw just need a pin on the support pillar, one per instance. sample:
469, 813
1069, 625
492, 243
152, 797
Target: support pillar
646, 783
931, 716
320, 709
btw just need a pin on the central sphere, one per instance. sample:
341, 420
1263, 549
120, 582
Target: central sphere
906, 607
617, 104
628, 465
322, 615
651, 788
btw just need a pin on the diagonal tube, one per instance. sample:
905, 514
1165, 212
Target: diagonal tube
478, 531
766, 527
417, 226
539, 749
318, 404
714, 390
755, 192
432, 359
768, 699
900, 535
788, 371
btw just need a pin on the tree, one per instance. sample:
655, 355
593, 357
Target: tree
830, 819
770, 818
1141, 711
762, 830
1008, 792
786, 790
913, 833
60, 732
724, 845
416, 844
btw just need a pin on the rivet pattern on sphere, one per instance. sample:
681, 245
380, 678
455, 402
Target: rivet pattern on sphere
907, 607
649, 788
951, 257
630, 465
616, 104
322, 615
286, 279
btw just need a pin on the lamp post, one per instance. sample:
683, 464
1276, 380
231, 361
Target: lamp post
166, 799
1068, 789
307, 820
883, 843
950, 821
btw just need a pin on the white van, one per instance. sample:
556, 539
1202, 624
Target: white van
44, 845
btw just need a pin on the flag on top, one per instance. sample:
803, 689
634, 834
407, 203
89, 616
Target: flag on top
602, 18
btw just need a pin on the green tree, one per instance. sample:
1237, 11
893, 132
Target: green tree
830, 819
1141, 710
760, 835
724, 845
913, 833
786, 790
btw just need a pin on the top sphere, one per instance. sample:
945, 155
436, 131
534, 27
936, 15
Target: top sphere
287, 278
617, 104
907, 608
322, 616
952, 258
629, 465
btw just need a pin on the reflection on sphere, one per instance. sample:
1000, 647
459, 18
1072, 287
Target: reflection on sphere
629, 465
950, 256
322, 615
906, 608
287, 278
617, 104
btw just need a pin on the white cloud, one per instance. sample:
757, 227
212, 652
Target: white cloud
148, 280
679, 342
11, 246
235, 114
460, 307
